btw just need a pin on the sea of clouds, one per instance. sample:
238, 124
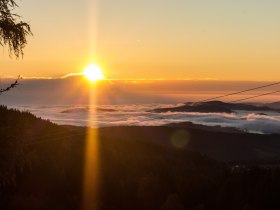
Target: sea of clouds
131, 101
141, 115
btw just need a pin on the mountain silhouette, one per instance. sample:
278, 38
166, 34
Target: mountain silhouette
215, 106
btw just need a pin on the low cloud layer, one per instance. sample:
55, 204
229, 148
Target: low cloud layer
117, 115
125, 98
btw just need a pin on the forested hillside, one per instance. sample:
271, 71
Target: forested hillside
42, 164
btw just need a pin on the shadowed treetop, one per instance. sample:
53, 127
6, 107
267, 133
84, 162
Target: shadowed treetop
13, 31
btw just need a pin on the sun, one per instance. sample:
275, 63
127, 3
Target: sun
93, 73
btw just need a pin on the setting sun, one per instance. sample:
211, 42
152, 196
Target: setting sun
93, 73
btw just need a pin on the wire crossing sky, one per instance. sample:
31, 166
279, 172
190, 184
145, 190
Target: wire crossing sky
238, 92
256, 96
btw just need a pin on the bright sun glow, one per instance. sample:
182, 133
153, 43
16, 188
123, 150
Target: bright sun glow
93, 73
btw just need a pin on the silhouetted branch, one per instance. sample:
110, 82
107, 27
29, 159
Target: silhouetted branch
11, 86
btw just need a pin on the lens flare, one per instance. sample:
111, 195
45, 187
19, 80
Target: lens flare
91, 182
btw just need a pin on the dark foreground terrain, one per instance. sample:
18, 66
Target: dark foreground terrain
155, 168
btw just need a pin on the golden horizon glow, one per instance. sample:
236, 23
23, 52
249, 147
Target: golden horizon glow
93, 73
227, 40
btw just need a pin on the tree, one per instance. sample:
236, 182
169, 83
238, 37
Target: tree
13, 32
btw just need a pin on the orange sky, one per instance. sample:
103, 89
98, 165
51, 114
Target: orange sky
225, 40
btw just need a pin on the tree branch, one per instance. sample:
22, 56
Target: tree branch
13, 32
11, 86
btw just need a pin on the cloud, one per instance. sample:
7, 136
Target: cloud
72, 75
251, 122
260, 123
137, 115
132, 102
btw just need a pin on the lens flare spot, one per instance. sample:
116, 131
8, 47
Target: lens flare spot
180, 138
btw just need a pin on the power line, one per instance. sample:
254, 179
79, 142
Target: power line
235, 93
256, 96
58, 136
66, 134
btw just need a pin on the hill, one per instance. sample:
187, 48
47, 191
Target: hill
275, 105
42, 167
215, 106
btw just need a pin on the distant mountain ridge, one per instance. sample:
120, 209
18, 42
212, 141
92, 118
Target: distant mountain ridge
275, 105
86, 110
216, 107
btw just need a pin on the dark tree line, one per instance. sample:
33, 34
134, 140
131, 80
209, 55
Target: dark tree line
42, 167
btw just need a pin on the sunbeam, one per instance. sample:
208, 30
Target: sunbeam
91, 184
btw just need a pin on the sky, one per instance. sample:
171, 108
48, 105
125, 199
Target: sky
77, 91
151, 39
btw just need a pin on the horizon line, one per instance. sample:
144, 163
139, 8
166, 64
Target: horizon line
72, 75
